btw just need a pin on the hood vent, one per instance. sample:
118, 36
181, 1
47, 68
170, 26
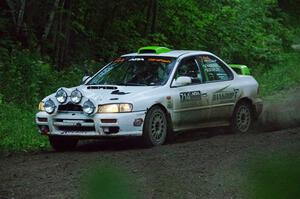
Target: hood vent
117, 92
103, 87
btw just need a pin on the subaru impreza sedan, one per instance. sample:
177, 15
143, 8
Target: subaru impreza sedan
153, 94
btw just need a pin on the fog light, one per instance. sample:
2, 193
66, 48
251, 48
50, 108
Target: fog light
111, 129
138, 122
44, 129
106, 129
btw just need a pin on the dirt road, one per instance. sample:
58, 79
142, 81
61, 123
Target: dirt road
196, 165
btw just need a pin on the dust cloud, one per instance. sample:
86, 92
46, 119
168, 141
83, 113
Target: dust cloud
281, 111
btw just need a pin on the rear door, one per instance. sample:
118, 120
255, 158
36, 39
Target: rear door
221, 88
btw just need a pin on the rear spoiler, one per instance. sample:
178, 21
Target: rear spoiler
240, 69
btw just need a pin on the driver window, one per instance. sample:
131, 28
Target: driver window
189, 68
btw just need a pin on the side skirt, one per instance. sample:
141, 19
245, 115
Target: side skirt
204, 125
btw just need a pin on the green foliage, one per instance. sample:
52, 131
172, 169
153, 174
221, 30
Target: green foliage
26, 79
238, 31
282, 76
18, 131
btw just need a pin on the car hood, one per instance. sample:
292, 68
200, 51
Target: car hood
110, 93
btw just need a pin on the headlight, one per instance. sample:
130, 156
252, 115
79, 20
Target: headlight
61, 96
41, 106
49, 106
115, 108
88, 107
76, 96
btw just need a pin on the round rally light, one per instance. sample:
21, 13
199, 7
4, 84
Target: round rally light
76, 96
88, 107
61, 96
49, 106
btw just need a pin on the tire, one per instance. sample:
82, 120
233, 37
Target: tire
60, 143
242, 118
155, 128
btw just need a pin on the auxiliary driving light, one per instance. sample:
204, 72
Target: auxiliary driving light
88, 107
49, 106
61, 96
76, 96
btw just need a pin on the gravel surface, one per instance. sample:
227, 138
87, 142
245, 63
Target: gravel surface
197, 164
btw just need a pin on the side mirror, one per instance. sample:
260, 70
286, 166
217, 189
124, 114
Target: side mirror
85, 79
182, 81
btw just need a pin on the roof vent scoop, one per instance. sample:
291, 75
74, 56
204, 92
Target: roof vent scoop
102, 87
153, 50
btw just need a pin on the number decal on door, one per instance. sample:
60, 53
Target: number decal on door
190, 96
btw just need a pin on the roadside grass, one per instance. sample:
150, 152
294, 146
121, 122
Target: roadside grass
18, 131
281, 77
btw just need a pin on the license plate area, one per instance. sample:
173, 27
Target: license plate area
73, 132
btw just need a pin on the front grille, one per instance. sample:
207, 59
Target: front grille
70, 107
74, 125
83, 120
76, 128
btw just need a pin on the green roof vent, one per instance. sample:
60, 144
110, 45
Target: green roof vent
153, 50
240, 69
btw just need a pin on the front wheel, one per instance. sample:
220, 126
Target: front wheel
156, 127
242, 118
60, 143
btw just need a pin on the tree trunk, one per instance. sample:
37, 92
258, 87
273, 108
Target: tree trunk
48, 26
154, 16
59, 37
12, 8
151, 19
17, 11
20, 16
50, 21
148, 17
67, 30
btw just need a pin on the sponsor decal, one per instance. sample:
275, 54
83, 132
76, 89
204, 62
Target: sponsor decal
225, 95
206, 59
159, 60
211, 69
169, 102
136, 59
120, 59
190, 96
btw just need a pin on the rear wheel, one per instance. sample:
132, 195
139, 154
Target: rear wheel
242, 118
60, 143
155, 127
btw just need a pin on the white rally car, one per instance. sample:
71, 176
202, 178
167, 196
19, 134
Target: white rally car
152, 94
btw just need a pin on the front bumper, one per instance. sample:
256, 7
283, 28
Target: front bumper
98, 125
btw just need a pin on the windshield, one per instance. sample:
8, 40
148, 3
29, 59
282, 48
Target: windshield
135, 71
